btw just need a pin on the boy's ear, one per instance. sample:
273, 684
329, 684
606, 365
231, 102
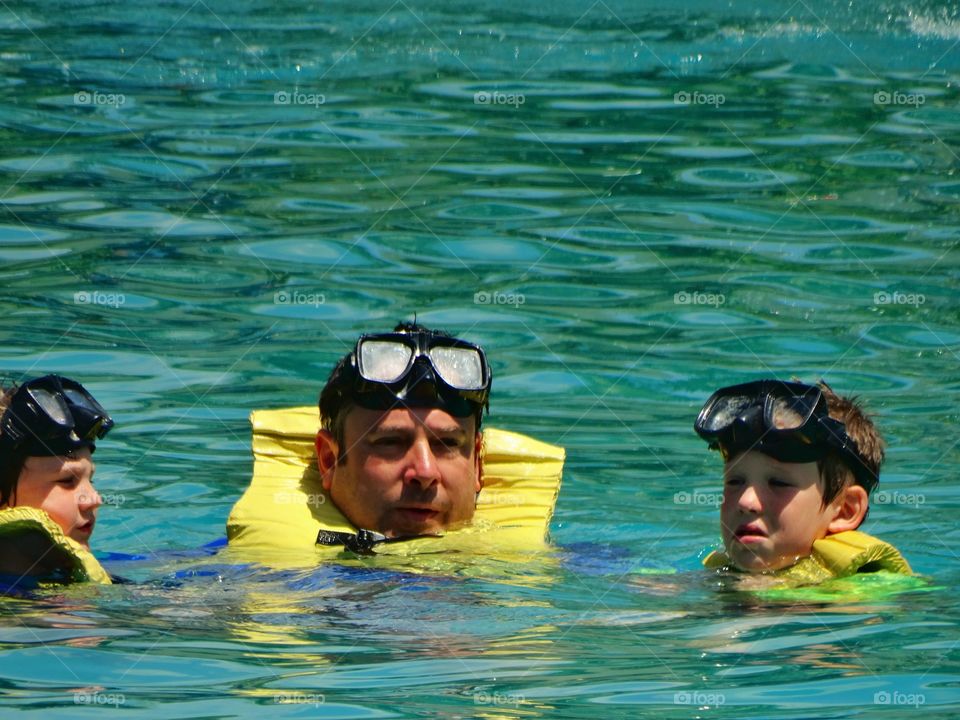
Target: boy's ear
326, 457
851, 507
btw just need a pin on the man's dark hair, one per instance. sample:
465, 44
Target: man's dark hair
336, 398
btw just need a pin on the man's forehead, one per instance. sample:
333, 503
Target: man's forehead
434, 419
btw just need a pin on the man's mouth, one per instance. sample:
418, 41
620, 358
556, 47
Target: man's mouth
418, 513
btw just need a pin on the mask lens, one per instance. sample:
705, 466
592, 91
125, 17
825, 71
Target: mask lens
791, 412
54, 407
383, 361
725, 411
460, 368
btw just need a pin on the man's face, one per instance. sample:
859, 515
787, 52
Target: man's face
772, 511
406, 471
63, 487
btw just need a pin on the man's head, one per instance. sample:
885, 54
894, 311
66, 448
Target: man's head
799, 464
399, 447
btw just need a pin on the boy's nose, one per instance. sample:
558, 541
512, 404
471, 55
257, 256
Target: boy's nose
88, 498
749, 499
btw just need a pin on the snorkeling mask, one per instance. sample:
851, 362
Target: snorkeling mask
788, 421
420, 369
52, 415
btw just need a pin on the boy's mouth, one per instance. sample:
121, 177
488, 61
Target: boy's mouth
750, 532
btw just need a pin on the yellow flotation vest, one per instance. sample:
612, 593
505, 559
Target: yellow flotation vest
32, 544
835, 556
280, 515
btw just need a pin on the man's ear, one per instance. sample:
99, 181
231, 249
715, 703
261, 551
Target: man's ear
327, 454
850, 507
478, 460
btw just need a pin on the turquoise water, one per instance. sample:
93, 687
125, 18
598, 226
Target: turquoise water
628, 204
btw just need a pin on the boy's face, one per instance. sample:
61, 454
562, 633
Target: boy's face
772, 512
63, 487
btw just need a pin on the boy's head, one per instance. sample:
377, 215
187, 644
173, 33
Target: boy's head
48, 430
799, 464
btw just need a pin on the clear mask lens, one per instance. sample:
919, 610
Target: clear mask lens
384, 361
460, 368
725, 410
53, 406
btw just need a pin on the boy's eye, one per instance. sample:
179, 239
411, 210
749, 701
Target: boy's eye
778, 482
732, 481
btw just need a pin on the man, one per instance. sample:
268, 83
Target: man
399, 448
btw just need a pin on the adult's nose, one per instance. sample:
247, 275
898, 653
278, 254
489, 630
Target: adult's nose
422, 468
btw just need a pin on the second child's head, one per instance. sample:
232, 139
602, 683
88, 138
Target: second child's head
799, 464
48, 429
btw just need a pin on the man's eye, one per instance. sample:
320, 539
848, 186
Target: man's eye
779, 483
733, 481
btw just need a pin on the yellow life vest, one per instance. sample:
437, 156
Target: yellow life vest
281, 513
835, 556
32, 544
